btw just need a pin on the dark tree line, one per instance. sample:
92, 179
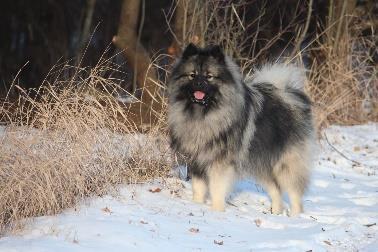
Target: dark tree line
44, 32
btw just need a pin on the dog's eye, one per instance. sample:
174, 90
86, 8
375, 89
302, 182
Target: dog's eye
209, 77
192, 76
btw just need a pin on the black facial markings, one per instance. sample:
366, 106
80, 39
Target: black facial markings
180, 76
211, 89
186, 91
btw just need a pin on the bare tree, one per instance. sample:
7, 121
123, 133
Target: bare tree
147, 109
188, 24
91, 4
339, 14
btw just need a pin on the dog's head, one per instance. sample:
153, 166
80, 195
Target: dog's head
202, 78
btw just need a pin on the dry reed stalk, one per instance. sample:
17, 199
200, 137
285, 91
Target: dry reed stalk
69, 140
343, 79
342, 83
72, 138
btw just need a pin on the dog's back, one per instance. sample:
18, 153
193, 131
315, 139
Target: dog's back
280, 149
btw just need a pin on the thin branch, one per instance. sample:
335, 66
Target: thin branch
140, 29
339, 152
304, 33
91, 4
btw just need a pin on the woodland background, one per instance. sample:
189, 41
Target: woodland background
81, 79
36, 35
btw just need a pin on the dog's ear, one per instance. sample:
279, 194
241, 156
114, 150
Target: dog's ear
190, 50
217, 52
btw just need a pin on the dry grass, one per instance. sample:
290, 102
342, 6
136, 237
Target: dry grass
343, 80
71, 139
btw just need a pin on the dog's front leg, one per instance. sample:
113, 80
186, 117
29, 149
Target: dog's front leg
221, 179
199, 189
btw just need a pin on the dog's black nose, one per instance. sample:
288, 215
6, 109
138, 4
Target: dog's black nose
200, 80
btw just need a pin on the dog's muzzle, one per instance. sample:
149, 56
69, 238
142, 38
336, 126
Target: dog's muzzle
199, 94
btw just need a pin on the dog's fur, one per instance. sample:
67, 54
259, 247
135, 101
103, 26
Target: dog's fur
260, 126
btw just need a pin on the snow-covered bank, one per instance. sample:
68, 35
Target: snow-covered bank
341, 212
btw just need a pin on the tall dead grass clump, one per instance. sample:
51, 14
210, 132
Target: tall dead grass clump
228, 24
343, 76
70, 139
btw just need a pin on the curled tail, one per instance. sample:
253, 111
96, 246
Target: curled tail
280, 75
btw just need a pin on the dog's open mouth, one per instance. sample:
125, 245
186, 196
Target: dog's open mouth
199, 97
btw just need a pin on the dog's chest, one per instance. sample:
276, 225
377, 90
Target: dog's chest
193, 136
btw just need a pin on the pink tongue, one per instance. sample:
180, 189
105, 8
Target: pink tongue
199, 95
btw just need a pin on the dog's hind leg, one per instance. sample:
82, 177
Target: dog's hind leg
295, 197
274, 192
295, 182
221, 180
292, 175
199, 189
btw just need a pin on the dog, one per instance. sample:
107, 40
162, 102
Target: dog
229, 127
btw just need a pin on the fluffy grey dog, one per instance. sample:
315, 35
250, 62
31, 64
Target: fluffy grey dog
229, 127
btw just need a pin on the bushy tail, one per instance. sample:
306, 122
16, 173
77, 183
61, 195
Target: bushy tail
280, 75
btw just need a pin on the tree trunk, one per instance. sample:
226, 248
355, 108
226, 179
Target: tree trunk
86, 27
188, 22
147, 110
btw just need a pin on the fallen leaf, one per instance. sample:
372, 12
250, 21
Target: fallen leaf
327, 242
156, 190
258, 222
106, 210
218, 242
194, 230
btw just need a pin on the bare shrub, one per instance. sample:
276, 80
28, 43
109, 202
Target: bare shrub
343, 78
71, 139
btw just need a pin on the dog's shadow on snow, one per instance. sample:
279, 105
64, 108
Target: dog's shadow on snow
246, 187
248, 190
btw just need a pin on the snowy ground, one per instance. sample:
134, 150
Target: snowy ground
341, 212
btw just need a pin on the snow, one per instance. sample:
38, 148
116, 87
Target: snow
341, 212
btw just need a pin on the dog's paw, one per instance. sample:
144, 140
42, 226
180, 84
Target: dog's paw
276, 208
199, 199
296, 210
218, 206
